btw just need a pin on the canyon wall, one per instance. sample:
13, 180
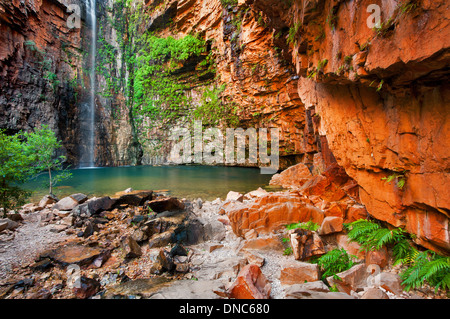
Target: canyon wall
382, 95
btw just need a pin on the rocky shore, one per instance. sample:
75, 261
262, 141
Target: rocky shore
145, 244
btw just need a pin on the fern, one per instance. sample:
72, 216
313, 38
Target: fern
334, 262
430, 267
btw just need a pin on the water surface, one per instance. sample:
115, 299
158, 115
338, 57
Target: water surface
206, 182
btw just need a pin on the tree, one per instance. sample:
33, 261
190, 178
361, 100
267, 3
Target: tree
16, 165
23, 156
44, 144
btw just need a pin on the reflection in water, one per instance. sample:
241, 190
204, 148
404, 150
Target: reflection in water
206, 182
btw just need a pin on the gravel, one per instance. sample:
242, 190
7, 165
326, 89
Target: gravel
22, 246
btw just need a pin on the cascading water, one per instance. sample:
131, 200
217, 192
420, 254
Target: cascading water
88, 153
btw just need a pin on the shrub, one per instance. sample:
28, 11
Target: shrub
309, 225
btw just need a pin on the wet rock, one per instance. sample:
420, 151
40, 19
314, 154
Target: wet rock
87, 288
166, 204
131, 247
250, 284
305, 244
295, 272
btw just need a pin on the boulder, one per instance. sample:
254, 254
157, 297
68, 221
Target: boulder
356, 212
250, 284
353, 248
165, 260
295, 272
292, 177
97, 205
390, 282
378, 257
305, 244
235, 196
351, 279
331, 224
165, 204
67, 203
133, 198
270, 213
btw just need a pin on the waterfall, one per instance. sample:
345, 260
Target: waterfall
88, 160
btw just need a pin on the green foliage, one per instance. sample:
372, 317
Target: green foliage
213, 111
334, 262
288, 251
226, 3
44, 144
293, 32
371, 236
399, 176
427, 266
309, 225
22, 156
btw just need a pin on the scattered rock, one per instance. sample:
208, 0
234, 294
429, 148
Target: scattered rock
67, 203
292, 177
165, 204
295, 272
131, 247
48, 200
87, 288
377, 257
351, 279
306, 243
3, 225
73, 254
250, 284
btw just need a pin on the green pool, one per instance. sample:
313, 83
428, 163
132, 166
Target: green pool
206, 182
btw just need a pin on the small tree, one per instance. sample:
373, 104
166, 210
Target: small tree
23, 156
16, 165
44, 144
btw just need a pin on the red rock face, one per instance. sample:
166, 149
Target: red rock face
35, 45
382, 99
